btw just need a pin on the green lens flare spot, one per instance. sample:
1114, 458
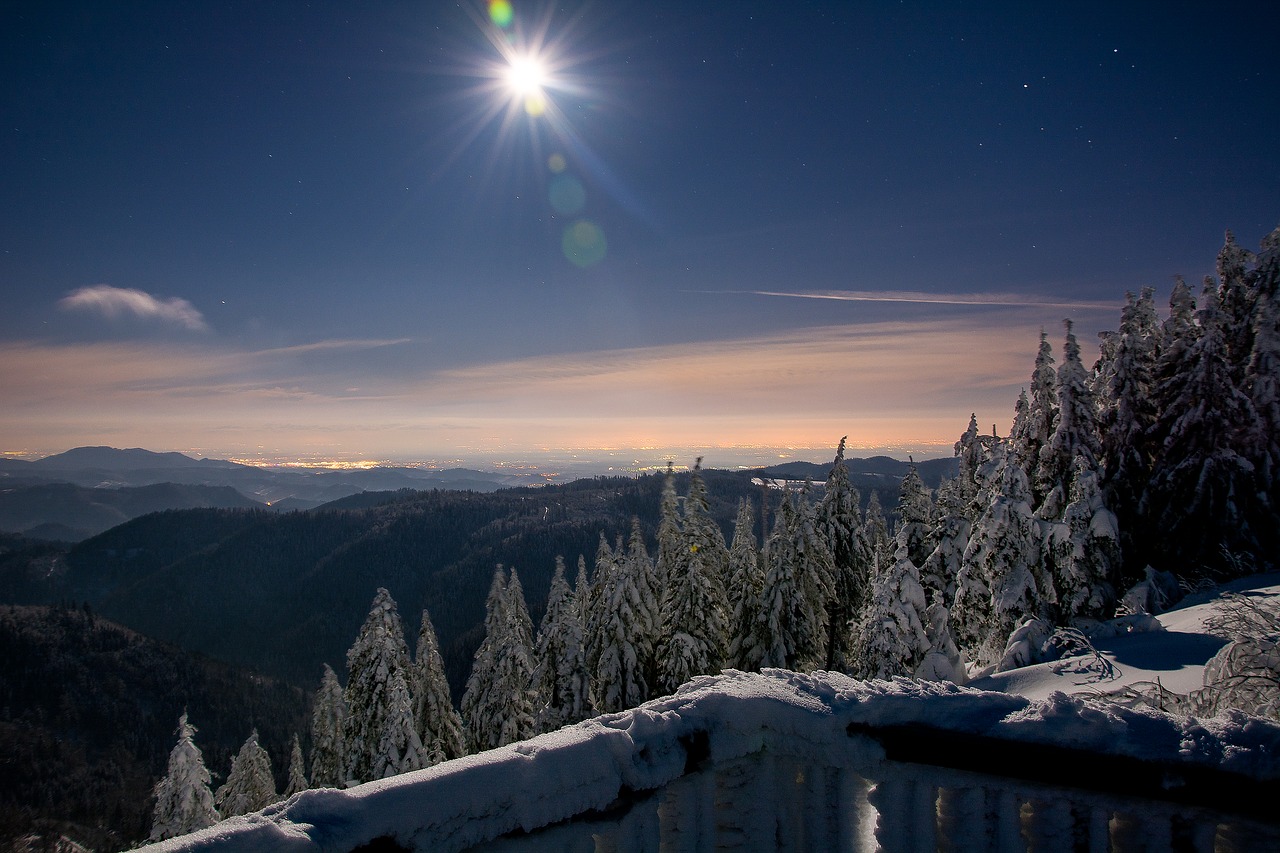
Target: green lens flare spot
583, 243
500, 12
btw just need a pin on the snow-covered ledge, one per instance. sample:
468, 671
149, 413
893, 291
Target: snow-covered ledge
595, 764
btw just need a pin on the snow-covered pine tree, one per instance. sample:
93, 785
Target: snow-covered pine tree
1002, 579
817, 580
1237, 305
694, 623
671, 553
891, 637
438, 725
626, 633
1075, 433
950, 534
745, 582
1264, 391
1034, 431
561, 672
971, 456
184, 802
1200, 497
584, 594
644, 571
772, 636
499, 703
250, 785
328, 733
378, 656
1085, 574
943, 661
296, 778
399, 749
515, 666
1128, 413
840, 522
875, 529
915, 518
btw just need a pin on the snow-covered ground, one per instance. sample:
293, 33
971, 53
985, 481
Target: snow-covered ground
1175, 657
782, 760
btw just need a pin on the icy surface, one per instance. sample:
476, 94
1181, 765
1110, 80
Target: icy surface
724, 718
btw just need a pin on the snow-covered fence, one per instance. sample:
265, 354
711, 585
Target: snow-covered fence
780, 760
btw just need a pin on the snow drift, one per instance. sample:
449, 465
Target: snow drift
600, 763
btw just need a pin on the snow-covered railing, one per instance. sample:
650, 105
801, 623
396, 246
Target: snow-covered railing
822, 761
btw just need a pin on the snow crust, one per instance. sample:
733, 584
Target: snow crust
588, 766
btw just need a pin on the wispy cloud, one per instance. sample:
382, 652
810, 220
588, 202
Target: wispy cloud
1001, 300
112, 302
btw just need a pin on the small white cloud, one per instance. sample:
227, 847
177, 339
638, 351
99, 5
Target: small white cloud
113, 302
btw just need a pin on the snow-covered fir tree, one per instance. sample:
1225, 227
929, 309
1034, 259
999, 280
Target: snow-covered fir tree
671, 552
1128, 411
560, 652
840, 523
438, 725
296, 777
1075, 432
499, 703
875, 530
1085, 570
744, 586
1002, 578
1032, 432
915, 517
184, 801
891, 637
950, 535
328, 733
1200, 496
694, 623
790, 629
399, 748
250, 785
625, 632
377, 695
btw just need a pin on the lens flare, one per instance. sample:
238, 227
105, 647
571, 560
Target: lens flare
583, 243
501, 13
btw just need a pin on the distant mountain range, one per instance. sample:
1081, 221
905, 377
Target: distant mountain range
112, 486
87, 490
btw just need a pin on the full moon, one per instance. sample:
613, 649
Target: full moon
526, 75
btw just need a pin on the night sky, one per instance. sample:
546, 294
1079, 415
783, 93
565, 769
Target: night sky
327, 230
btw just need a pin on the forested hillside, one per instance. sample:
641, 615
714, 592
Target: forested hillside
87, 714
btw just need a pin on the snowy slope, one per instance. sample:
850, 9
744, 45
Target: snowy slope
1175, 657
823, 717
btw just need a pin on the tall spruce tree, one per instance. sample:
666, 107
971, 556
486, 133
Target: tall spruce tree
1002, 579
694, 623
839, 521
184, 802
1036, 429
499, 703
892, 638
915, 518
296, 776
560, 652
1200, 496
1127, 417
399, 748
625, 631
328, 733
438, 725
744, 587
250, 785
1075, 433
376, 695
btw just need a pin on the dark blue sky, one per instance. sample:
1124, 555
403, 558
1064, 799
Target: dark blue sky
325, 215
